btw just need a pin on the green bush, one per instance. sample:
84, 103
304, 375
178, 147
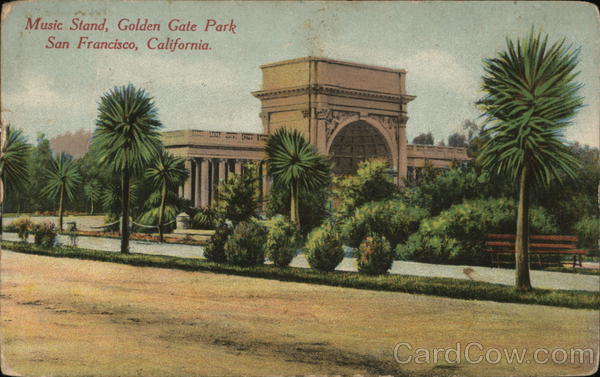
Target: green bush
282, 241
374, 255
391, 218
588, 231
206, 218
246, 245
457, 235
44, 233
238, 196
215, 249
23, 226
373, 182
324, 248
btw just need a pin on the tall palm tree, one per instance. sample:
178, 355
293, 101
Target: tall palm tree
530, 98
92, 191
14, 154
294, 164
127, 139
167, 173
63, 179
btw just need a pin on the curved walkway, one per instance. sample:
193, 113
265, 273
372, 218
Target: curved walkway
540, 279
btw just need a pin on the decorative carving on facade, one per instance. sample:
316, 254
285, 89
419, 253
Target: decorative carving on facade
334, 119
324, 114
389, 122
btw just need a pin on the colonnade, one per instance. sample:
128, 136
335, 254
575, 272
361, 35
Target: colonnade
205, 175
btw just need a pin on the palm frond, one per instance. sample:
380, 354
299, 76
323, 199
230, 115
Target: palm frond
13, 159
531, 96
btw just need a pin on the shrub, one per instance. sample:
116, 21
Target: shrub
374, 255
44, 234
282, 241
324, 248
373, 182
206, 218
215, 249
23, 227
150, 220
457, 235
588, 231
393, 219
246, 245
238, 195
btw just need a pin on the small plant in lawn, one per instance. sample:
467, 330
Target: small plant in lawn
324, 248
215, 250
374, 256
246, 245
23, 227
44, 234
282, 241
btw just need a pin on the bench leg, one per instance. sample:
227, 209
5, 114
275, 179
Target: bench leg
575, 261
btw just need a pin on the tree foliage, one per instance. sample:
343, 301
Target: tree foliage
127, 139
373, 182
530, 98
424, 138
63, 181
295, 166
238, 195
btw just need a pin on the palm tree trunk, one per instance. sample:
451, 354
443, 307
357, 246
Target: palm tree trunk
294, 206
60, 208
161, 214
523, 282
125, 211
92, 209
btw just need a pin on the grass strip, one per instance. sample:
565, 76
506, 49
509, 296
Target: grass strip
434, 286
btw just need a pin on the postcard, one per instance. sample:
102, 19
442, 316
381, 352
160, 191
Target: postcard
256, 188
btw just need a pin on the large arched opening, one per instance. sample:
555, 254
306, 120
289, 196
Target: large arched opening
358, 141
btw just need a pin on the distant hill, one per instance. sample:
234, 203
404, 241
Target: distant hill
74, 143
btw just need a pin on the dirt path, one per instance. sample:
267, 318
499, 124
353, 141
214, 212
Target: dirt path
70, 317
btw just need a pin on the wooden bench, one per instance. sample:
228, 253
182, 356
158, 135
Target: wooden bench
539, 246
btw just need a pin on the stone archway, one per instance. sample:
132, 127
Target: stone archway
356, 142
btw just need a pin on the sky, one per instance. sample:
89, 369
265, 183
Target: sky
440, 44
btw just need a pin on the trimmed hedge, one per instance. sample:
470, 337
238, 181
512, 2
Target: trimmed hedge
374, 255
393, 219
323, 249
446, 287
457, 235
246, 245
282, 241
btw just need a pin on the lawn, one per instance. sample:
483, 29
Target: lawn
74, 317
446, 287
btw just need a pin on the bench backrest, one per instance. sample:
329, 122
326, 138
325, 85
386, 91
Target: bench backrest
539, 244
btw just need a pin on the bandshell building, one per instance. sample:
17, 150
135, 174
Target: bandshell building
348, 111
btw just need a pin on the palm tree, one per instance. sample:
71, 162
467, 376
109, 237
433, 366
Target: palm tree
294, 164
14, 154
167, 172
92, 191
63, 179
127, 139
530, 98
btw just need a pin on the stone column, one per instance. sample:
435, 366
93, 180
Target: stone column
204, 183
198, 184
222, 169
238, 167
402, 157
187, 186
265, 185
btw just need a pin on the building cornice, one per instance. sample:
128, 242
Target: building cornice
333, 90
